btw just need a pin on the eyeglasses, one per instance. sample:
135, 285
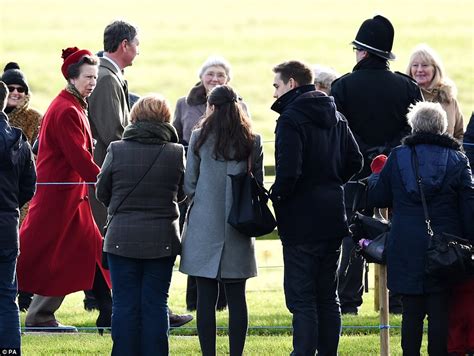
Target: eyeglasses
18, 89
355, 49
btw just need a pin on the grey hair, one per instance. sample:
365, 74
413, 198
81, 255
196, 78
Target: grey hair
324, 76
216, 61
427, 117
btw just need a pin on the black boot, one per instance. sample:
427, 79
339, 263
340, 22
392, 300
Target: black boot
104, 302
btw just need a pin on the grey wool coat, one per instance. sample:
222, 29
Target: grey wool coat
211, 248
146, 225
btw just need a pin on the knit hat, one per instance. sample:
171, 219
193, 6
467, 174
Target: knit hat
72, 55
376, 36
13, 75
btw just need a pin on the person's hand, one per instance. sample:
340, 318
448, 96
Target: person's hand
378, 163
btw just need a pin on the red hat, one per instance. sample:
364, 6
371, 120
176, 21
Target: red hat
378, 163
72, 55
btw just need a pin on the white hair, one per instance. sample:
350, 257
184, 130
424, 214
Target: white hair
216, 61
427, 117
323, 77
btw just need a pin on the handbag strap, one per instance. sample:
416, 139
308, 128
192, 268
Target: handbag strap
422, 194
136, 184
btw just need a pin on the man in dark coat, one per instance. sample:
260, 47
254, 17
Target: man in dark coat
17, 186
375, 101
316, 154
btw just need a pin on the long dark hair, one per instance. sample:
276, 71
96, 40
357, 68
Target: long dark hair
229, 124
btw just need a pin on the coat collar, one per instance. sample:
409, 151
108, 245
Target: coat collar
422, 138
283, 101
107, 64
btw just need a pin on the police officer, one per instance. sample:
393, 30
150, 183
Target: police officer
374, 101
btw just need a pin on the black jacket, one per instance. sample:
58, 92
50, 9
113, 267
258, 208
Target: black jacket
17, 180
315, 154
375, 102
469, 141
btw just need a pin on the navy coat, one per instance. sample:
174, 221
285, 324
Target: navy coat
448, 187
469, 141
315, 156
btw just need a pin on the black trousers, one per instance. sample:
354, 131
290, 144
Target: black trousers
310, 284
415, 308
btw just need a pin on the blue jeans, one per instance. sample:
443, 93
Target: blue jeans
310, 284
140, 288
9, 314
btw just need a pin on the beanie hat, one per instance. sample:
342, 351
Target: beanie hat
13, 75
72, 55
376, 36
377, 163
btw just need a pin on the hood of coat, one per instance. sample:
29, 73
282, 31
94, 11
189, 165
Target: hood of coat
433, 152
11, 142
306, 105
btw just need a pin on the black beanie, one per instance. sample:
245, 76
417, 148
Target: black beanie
13, 75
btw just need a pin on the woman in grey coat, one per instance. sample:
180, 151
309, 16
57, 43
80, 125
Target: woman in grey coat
213, 250
141, 184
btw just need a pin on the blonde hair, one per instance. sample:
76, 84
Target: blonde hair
153, 107
428, 55
427, 117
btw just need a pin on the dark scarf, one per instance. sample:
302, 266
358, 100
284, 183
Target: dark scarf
70, 88
150, 132
424, 138
372, 62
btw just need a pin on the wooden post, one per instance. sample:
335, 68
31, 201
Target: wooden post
383, 303
376, 287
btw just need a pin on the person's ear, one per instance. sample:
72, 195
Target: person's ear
293, 83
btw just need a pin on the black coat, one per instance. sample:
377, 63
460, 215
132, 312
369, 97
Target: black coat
315, 154
17, 180
469, 141
375, 102
448, 187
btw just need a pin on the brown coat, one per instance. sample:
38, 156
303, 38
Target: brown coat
444, 96
108, 115
26, 118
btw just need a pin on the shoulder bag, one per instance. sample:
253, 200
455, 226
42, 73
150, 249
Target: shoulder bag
250, 214
111, 216
448, 256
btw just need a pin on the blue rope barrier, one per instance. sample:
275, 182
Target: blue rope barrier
65, 183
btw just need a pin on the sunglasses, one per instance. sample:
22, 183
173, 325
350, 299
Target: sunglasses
18, 89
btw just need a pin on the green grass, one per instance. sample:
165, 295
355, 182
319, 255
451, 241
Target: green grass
177, 36
269, 320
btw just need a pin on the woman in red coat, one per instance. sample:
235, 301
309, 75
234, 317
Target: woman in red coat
60, 242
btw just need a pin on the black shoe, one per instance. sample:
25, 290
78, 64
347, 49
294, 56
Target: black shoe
52, 326
179, 320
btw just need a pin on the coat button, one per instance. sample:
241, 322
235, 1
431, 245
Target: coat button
167, 248
116, 246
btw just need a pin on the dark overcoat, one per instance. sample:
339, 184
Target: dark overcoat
315, 155
448, 187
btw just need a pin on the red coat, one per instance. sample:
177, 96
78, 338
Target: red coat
60, 243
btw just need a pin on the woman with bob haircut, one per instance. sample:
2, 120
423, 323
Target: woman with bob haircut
447, 184
213, 250
140, 183
426, 67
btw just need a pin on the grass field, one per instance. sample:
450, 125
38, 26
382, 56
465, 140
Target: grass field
269, 320
177, 36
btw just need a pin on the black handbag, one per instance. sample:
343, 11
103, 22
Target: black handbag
110, 217
250, 214
448, 256
374, 235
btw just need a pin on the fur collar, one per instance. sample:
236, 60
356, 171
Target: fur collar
197, 95
444, 140
444, 93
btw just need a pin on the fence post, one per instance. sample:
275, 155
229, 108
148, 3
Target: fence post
383, 303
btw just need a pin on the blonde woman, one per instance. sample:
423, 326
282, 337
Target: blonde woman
426, 67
